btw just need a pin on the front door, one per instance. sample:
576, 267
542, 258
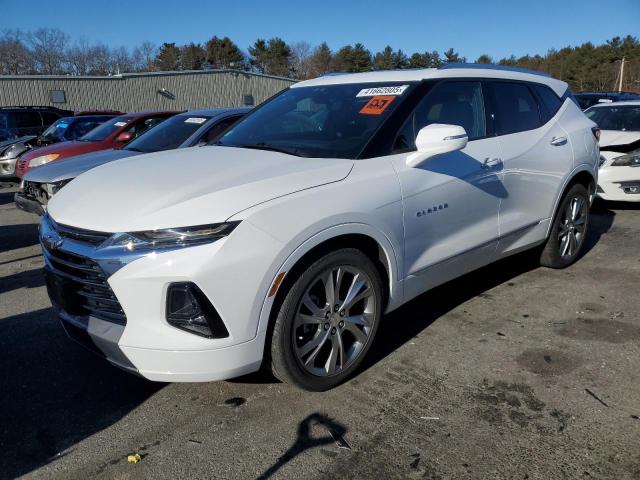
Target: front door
451, 202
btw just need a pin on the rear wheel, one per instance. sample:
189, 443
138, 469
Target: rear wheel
569, 229
327, 321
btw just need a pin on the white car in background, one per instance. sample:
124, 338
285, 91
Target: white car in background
619, 175
336, 201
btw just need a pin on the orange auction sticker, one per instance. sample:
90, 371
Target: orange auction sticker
377, 104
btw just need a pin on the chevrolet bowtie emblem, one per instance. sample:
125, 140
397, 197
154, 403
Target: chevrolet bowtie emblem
53, 241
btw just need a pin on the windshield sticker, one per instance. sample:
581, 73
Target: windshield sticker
605, 100
120, 124
370, 92
197, 120
62, 125
377, 105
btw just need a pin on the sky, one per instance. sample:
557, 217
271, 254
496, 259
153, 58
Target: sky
498, 28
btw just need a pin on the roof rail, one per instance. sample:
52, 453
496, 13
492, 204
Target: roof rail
489, 66
333, 74
42, 107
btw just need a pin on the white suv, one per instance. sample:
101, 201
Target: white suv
334, 202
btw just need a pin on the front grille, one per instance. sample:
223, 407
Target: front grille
85, 236
22, 164
79, 286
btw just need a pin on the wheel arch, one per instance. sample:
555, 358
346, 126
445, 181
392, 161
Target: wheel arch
582, 176
365, 238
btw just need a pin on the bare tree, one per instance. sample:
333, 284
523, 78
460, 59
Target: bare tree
48, 46
143, 56
15, 56
79, 57
301, 59
121, 61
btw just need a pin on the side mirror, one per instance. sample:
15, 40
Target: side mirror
436, 139
124, 137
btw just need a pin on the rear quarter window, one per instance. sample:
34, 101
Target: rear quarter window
550, 103
514, 108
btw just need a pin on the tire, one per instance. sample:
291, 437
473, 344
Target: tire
569, 229
319, 337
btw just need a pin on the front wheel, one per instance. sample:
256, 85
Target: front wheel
569, 229
327, 321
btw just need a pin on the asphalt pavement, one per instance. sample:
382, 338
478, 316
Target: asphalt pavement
513, 371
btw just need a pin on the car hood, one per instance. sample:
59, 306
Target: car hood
71, 167
64, 149
619, 141
184, 187
9, 148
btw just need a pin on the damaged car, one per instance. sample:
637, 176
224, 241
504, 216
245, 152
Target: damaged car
619, 174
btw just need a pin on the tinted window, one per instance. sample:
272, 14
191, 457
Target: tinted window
219, 128
332, 121
550, 102
27, 119
455, 103
106, 129
515, 108
169, 135
624, 118
142, 126
48, 118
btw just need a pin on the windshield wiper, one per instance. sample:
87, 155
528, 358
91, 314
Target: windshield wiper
134, 149
273, 148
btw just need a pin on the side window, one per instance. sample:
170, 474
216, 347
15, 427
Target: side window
48, 117
455, 103
550, 102
28, 120
515, 108
139, 128
218, 129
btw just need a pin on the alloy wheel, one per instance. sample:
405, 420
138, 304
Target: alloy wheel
572, 226
334, 320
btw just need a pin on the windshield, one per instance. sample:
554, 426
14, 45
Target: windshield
106, 129
169, 134
70, 128
332, 121
624, 118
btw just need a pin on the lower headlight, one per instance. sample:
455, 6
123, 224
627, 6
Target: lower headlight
172, 237
41, 160
629, 160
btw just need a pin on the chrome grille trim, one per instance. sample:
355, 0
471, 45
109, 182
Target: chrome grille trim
93, 295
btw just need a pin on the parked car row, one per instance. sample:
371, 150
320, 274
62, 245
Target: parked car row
40, 132
282, 242
189, 129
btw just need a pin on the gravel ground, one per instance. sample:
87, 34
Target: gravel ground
513, 371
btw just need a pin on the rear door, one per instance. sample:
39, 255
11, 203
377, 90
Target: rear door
536, 157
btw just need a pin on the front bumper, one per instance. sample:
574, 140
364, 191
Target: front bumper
619, 184
28, 204
8, 168
234, 273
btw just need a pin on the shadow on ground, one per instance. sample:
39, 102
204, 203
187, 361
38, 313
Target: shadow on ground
54, 393
18, 236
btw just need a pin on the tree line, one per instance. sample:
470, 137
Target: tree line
50, 51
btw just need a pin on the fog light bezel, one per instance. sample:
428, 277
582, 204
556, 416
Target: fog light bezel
217, 328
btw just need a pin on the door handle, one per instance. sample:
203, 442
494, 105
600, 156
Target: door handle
491, 162
557, 141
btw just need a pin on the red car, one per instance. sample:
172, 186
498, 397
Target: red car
114, 133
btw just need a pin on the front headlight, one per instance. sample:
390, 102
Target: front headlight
629, 160
53, 188
41, 160
171, 237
